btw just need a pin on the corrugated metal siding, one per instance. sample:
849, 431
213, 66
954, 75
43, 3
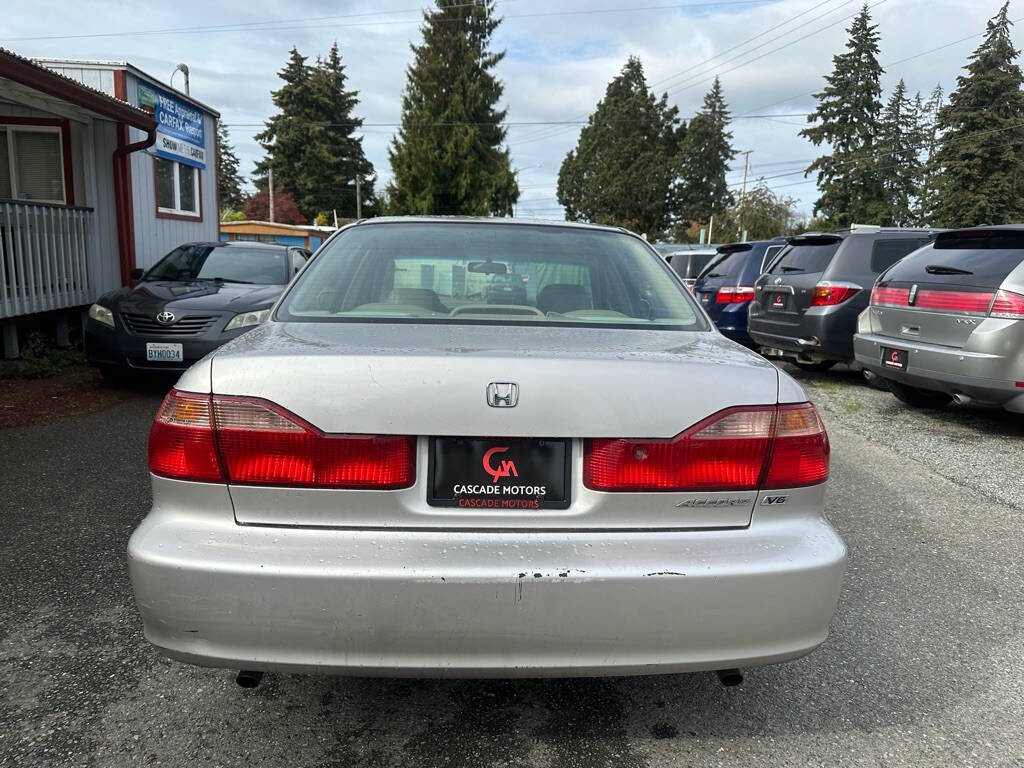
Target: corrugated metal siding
156, 237
105, 264
100, 79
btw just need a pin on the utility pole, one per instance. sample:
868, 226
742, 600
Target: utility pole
743, 189
359, 197
271, 195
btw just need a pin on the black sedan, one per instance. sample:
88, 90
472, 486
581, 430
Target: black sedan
194, 299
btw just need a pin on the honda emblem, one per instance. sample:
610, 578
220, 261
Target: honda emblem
502, 394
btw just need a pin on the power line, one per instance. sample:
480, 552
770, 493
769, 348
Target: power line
251, 26
889, 64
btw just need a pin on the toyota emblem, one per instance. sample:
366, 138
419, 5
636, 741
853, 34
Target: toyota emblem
165, 318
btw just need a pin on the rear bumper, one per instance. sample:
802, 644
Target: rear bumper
820, 333
731, 321
483, 604
946, 369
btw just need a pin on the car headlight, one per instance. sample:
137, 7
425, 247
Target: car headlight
101, 314
864, 321
246, 319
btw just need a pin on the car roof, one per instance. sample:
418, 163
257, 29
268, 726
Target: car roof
486, 220
238, 244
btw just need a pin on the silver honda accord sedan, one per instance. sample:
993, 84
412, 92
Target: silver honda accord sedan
394, 476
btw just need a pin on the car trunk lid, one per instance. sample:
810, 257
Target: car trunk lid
785, 292
431, 382
941, 294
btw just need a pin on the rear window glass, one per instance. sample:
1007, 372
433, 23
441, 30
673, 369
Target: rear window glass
769, 253
496, 274
813, 256
963, 266
689, 265
885, 253
727, 265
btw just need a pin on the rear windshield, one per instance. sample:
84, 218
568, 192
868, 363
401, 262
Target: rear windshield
885, 253
810, 256
983, 267
726, 265
262, 266
689, 264
492, 274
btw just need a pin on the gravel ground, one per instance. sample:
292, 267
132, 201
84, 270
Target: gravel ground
924, 665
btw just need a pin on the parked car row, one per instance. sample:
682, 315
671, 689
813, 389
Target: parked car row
936, 315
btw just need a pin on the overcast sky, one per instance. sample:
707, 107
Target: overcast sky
561, 56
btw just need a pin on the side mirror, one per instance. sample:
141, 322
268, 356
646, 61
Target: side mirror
137, 273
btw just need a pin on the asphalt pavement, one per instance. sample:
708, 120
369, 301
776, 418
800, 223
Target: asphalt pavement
924, 666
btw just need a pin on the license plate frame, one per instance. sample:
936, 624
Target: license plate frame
460, 461
164, 352
895, 359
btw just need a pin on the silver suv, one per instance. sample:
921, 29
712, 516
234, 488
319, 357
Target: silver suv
948, 321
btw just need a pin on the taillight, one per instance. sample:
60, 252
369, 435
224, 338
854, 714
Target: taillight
248, 441
827, 294
1008, 305
734, 294
738, 449
953, 301
893, 297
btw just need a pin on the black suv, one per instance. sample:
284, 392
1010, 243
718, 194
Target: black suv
806, 304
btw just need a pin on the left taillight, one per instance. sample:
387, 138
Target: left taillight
249, 441
739, 449
734, 294
829, 293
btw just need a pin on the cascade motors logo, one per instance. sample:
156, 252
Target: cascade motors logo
507, 467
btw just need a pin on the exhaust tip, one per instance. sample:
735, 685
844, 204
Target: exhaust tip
248, 678
961, 399
729, 677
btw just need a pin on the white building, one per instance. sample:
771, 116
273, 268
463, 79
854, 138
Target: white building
103, 169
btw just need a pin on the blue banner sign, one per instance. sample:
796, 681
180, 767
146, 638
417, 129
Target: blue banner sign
180, 135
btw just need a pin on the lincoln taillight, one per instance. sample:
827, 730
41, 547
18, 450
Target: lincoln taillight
249, 441
1002, 304
738, 449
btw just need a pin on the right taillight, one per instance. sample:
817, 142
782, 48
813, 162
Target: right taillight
249, 441
739, 449
1008, 305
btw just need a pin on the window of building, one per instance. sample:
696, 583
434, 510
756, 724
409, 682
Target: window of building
177, 188
32, 164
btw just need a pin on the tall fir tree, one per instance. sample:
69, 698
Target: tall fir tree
229, 181
285, 140
336, 152
897, 151
623, 168
448, 156
705, 155
311, 143
846, 119
925, 209
978, 164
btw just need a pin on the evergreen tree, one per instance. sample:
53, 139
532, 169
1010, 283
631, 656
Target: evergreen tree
623, 169
448, 156
285, 140
310, 142
335, 153
899, 166
704, 160
229, 182
846, 119
929, 143
978, 164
